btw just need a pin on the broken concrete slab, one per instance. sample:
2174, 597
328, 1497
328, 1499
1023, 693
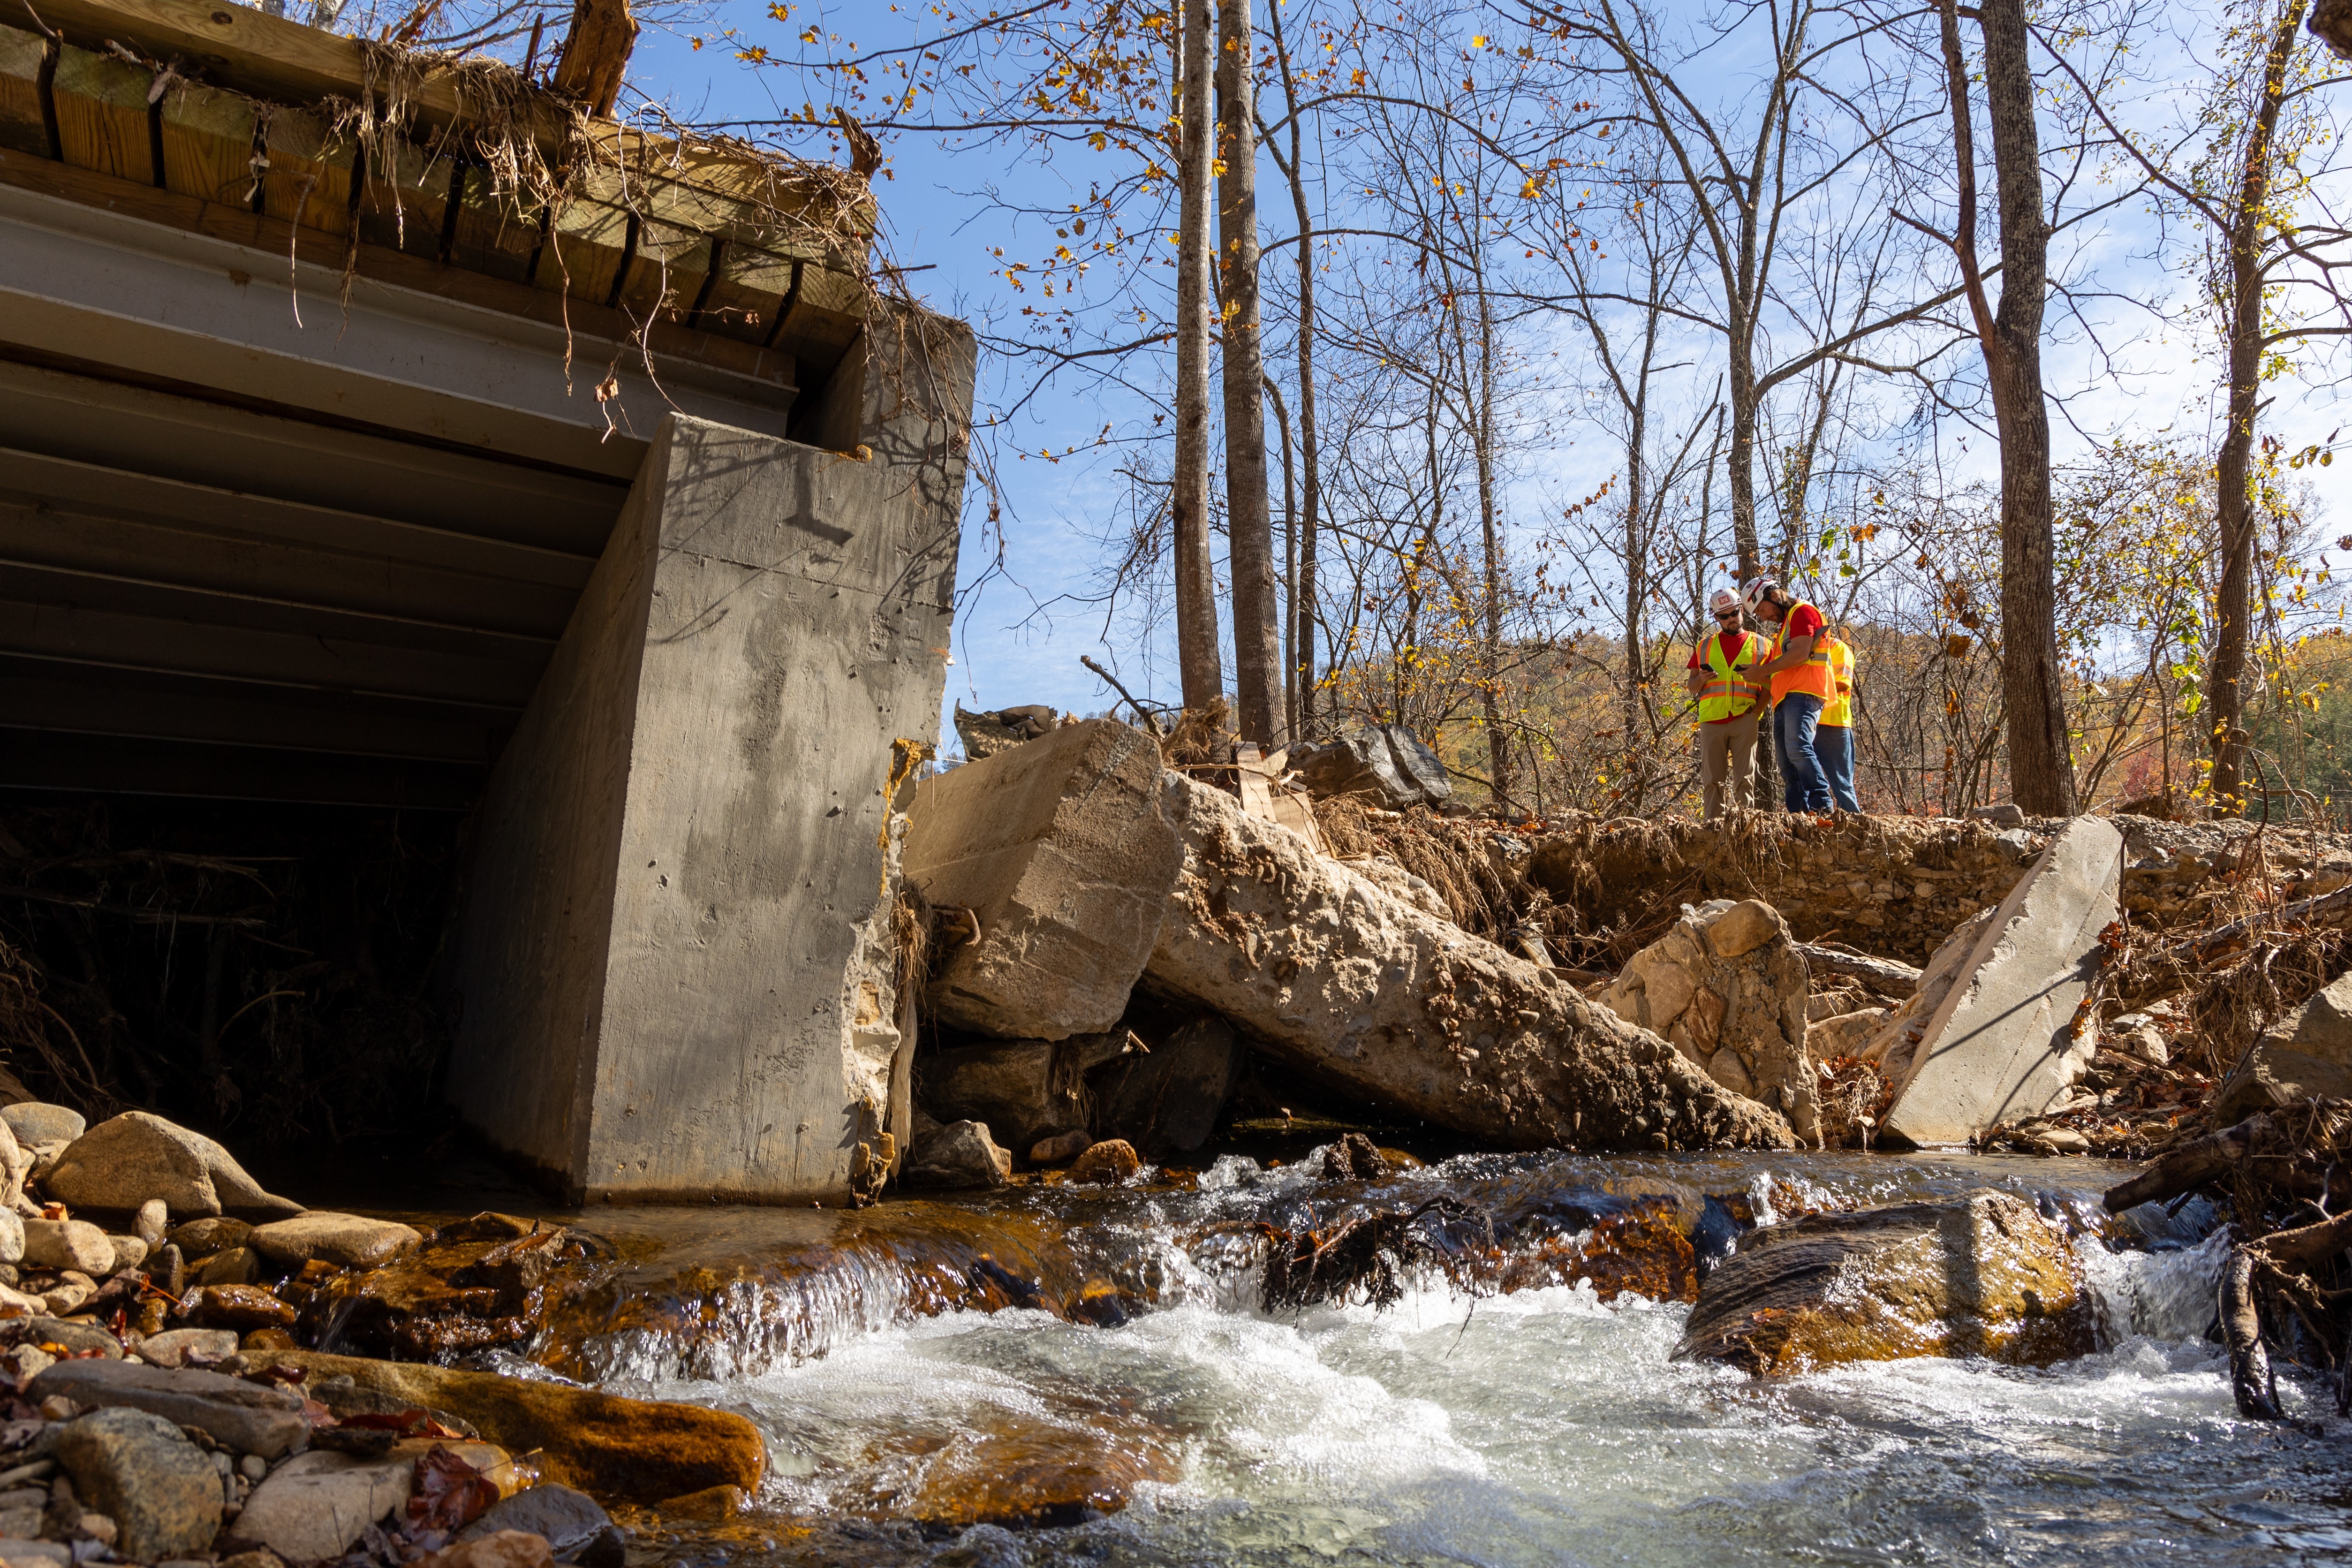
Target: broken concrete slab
957, 1155
1354, 987
1166, 1100
2001, 1045
1728, 987
2307, 1053
1388, 762
1060, 856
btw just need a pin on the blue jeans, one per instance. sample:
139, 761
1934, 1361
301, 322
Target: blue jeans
1805, 786
1833, 743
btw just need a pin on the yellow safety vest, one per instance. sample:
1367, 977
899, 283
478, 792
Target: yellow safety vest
1812, 676
1727, 694
1839, 709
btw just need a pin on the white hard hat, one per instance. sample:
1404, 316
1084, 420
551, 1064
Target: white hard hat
1725, 599
1753, 595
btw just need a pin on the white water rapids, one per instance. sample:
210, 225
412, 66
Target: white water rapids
1547, 1427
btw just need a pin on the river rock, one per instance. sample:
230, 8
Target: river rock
2307, 1053
240, 1307
239, 1265
123, 1163
154, 1217
200, 1238
1022, 1472
1983, 1276
1106, 1164
1372, 998
959, 1155
12, 1236
1167, 1100
35, 1122
345, 1240
314, 1506
2002, 1045
68, 1244
1728, 987
566, 1519
471, 1286
501, 1549
628, 1449
248, 1417
81, 1339
1062, 853
141, 1472
130, 1252
172, 1347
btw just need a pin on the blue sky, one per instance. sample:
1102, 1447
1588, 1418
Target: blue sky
1019, 636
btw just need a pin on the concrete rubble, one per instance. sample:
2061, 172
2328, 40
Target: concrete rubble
2004, 1041
2305, 1055
1728, 987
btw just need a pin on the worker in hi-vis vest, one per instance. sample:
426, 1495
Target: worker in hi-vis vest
1834, 736
1729, 705
1799, 671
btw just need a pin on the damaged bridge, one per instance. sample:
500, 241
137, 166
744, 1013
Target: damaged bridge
468, 455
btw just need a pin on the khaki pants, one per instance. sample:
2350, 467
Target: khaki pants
1730, 747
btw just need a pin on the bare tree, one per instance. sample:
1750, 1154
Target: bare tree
1197, 651
1257, 600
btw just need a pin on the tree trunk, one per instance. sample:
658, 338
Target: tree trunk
1311, 486
1498, 746
2041, 770
1197, 650
2234, 505
1257, 603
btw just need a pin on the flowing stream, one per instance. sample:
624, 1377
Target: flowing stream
1465, 1423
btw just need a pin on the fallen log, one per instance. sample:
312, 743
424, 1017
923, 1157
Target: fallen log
1350, 984
1883, 975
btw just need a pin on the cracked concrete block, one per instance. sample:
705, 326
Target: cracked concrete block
1062, 854
2000, 1046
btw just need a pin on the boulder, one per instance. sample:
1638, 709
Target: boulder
985, 733
1167, 1100
1382, 1001
172, 1346
2307, 1053
1844, 1035
2003, 1044
123, 1163
959, 1155
1022, 1090
1983, 1276
1728, 987
566, 1519
1053, 862
314, 1506
141, 1471
612, 1448
68, 1244
1387, 762
345, 1240
248, 1417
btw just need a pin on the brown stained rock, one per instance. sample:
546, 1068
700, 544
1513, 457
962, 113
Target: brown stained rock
1984, 1276
345, 1240
1378, 1000
612, 1449
474, 1285
1728, 988
1107, 1163
1020, 1473
240, 1307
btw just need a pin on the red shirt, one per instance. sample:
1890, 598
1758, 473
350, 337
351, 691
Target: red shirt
1802, 621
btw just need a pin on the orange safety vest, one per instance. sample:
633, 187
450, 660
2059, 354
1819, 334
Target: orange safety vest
1729, 692
1812, 676
1839, 711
